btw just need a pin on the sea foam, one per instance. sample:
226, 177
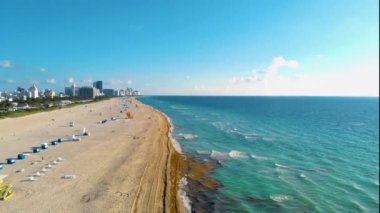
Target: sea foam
256, 157
218, 155
188, 136
237, 155
185, 199
279, 198
203, 152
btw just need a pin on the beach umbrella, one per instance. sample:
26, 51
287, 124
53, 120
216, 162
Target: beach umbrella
21, 156
11, 161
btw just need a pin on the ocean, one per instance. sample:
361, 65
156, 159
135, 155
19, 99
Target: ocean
282, 154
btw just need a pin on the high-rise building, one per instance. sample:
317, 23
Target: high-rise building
87, 92
73, 90
49, 93
68, 91
34, 91
20, 89
99, 85
108, 92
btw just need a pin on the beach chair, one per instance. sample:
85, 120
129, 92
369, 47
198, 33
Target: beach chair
73, 138
69, 177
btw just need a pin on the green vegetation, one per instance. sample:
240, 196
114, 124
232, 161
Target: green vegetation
43, 106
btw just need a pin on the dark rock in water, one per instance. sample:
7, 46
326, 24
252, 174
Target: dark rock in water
265, 203
201, 187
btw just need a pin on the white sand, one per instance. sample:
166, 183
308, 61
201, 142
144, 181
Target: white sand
119, 168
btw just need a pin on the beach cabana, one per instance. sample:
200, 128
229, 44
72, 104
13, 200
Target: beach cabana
1, 167
21, 156
36, 150
60, 140
54, 143
84, 132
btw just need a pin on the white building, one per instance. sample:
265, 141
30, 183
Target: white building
34, 91
73, 88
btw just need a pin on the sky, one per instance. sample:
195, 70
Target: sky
193, 47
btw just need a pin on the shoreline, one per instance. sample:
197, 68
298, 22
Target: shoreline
188, 177
174, 169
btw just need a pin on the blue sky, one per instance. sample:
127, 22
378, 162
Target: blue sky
292, 47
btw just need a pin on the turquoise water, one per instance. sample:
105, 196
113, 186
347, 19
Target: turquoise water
283, 154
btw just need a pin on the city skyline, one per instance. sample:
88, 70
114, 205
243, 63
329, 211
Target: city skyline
96, 90
327, 48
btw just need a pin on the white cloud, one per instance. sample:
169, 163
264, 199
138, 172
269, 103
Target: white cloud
6, 64
10, 81
70, 80
279, 62
264, 74
51, 81
188, 77
355, 78
115, 82
129, 82
86, 81
42, 69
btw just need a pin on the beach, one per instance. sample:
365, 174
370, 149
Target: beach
125, 165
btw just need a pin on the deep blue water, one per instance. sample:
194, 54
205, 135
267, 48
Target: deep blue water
283, 154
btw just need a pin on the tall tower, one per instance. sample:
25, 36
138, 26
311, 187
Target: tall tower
73, 90
99, 85
33, 91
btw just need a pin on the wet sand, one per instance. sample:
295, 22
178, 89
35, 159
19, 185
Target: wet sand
125, 165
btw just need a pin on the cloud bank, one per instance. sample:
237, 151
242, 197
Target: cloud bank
6, 64
354, 78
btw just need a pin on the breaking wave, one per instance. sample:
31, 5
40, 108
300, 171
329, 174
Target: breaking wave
188, 136
237, 155
203, 152
256, 157
218, 155
279, 198
185, 199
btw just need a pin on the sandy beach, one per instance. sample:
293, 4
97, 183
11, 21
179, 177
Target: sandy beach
125, 165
